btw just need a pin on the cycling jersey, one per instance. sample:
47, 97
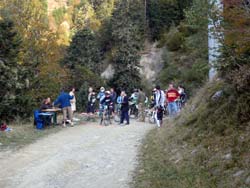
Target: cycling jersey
106, 101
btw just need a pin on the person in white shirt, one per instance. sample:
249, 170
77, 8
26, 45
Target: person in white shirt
73, 101
159, 105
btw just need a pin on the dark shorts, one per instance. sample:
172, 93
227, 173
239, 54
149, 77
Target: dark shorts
90, 108
159, 114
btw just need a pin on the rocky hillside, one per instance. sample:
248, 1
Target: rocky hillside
151, 62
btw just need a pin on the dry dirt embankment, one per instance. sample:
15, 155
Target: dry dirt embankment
88, 156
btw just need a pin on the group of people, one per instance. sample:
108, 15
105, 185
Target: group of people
66, 101
109, 99
170, 100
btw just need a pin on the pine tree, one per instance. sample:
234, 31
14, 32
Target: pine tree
127, 36
162, 14
11, 72
83, 51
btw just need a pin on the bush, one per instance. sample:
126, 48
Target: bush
83, 79
175, 39
241, 78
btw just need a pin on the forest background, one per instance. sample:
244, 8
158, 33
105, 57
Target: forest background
47, 45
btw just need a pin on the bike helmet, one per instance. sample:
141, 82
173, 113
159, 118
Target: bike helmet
102, 89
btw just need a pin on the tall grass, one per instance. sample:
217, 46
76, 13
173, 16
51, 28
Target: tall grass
205, 147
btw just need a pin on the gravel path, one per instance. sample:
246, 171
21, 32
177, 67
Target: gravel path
86, 156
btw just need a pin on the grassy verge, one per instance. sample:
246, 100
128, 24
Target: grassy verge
26, 133
23, 134
204, 148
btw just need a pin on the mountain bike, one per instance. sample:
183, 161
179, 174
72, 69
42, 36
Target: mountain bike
106, 115
151, 114
133, 112
117, 116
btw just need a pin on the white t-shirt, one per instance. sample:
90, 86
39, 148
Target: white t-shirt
73, 101
160, 98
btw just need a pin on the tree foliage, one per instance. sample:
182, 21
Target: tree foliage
127, 41
161, 14
186, 55
12, 79
83, 51
234, 61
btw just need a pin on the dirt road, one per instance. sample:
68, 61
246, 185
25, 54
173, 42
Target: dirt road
85, 156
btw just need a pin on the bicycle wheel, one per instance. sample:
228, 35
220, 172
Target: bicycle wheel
152, 119
106, 119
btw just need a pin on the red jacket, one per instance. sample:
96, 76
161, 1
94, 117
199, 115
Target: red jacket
172, 95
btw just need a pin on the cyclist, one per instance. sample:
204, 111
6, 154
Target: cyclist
100, 96
134, 103
107, 104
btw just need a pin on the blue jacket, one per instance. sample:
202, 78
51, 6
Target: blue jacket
119, 100
101, 95
63, 99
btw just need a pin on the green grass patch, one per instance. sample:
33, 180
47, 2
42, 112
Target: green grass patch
24, 134
207, 146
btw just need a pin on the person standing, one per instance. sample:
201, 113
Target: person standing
119, 104
159, 105
64, 100
124, 108
73, 101
183, 96
91, 102
172, 95
100, 96
141, 104
113, 96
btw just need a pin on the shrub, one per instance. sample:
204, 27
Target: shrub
175, 40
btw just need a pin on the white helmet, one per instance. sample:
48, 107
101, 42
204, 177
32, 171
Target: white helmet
102, 89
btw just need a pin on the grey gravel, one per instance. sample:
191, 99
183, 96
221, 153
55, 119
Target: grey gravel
86, 156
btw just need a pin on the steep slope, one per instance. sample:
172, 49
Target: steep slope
207, 146
151, 62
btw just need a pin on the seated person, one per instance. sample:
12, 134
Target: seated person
46, 104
